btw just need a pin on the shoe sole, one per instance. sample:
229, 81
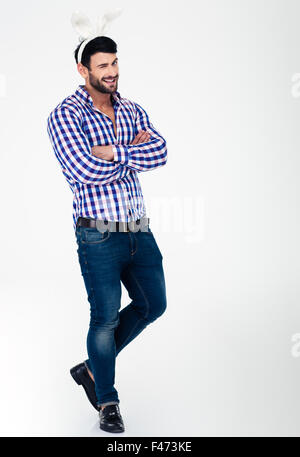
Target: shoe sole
110, 430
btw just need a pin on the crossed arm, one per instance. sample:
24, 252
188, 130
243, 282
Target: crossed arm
107, 153
148, 150
103, 164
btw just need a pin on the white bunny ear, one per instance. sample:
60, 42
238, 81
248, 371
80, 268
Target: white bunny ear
103, 23
82, 25
99, 25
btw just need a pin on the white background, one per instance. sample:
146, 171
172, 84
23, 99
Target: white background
218, 80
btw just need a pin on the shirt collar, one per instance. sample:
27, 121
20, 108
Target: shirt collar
84, 96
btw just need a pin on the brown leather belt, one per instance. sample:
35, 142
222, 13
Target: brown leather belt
118, 226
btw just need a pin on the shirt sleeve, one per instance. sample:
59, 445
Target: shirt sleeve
143, 156
73, 150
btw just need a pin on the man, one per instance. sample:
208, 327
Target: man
102, 141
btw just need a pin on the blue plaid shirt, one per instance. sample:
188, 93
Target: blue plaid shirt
104, 189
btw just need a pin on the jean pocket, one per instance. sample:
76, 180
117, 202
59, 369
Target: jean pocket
93, 236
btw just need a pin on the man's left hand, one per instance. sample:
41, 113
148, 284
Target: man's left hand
103, 152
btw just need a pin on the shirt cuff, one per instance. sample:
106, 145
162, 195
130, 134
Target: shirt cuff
121, 153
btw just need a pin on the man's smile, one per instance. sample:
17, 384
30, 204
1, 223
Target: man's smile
110, 80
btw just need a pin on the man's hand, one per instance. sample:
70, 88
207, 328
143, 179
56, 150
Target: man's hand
142, 137
106, 152
103, 152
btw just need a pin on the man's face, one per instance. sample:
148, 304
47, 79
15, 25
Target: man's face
104, 66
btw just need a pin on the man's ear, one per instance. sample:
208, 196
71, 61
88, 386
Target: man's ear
81, 70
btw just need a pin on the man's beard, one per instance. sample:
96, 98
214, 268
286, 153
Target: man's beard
96, 84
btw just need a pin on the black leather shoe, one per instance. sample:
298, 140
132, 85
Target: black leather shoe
111, 419
81, 376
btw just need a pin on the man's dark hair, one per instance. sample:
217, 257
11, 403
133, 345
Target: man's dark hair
98, 44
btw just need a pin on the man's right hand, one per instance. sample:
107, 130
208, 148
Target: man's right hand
142, 137
105, 152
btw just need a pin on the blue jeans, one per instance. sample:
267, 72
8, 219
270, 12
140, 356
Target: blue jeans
107, 259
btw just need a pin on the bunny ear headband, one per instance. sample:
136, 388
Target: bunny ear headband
83, 26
